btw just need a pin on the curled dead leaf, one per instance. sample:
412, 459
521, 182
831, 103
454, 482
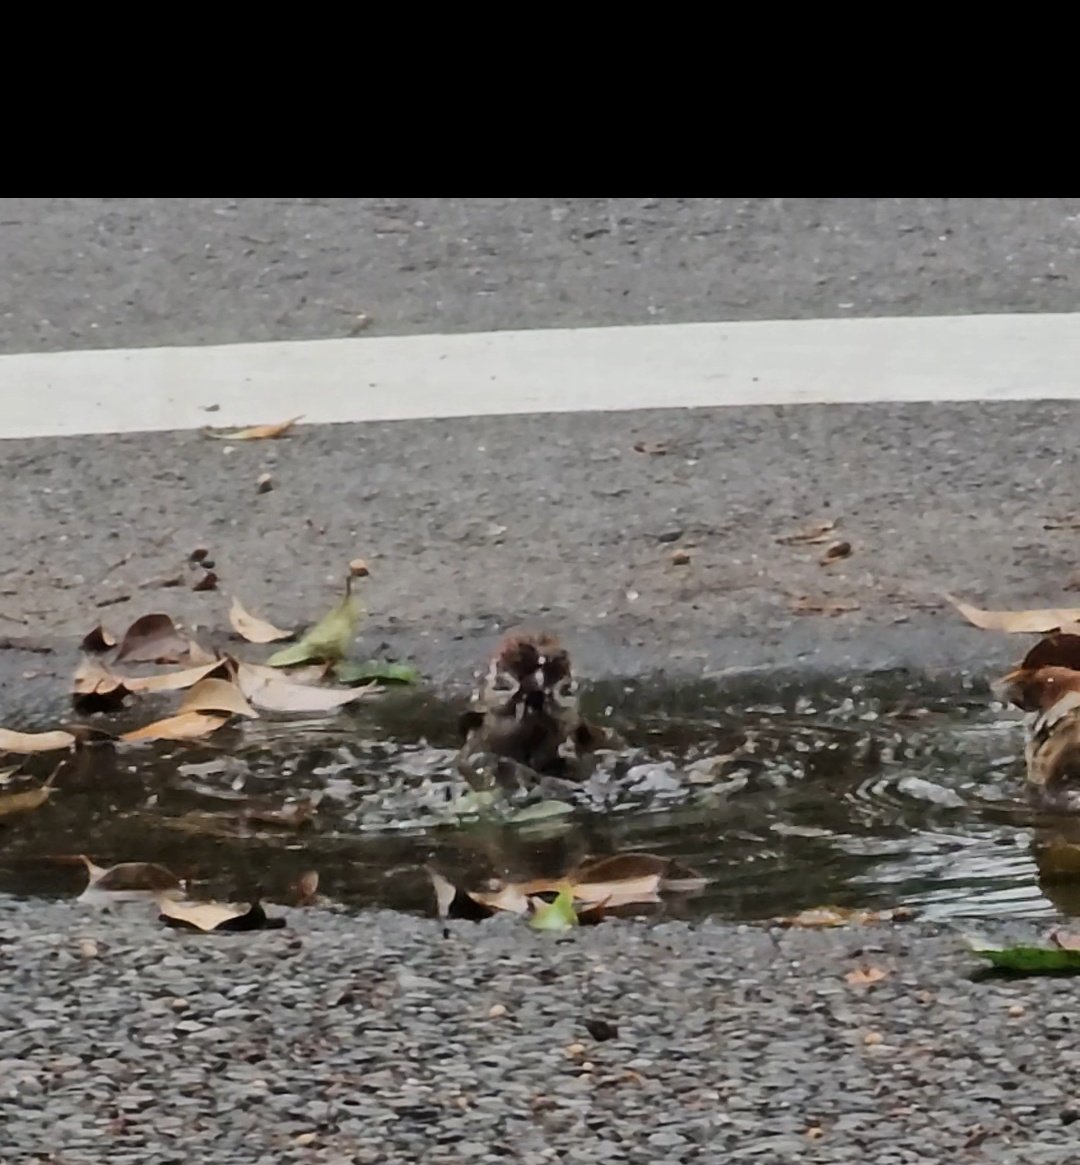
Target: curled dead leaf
865, 976
1035, 621
804, 605
267, 688
27, 800
215, 916
128, 881
153, 639
174, 681
213, 695
653, 448
835, 552
812, 535
252, 628
96, 689
305, 890
453, 902
186, 726
98, 641
256, 432
28, 742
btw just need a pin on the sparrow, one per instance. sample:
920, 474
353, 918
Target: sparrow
1047, 686
525, 709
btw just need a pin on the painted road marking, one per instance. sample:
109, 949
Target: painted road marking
941, 358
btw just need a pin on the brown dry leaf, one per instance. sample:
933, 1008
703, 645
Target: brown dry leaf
27, 742
257, 432
811, 536
216, 696
804, 605
864, 976
97, 641
1038, 621
453, 902
186, 726
207, 582
253, 629
217, 916
267, 688
654, 448
96, 689
128, 881
294, 816
835, 553
153, 639
510, 898
305, 890
174, 681
26, 800
1062, 939
820, 916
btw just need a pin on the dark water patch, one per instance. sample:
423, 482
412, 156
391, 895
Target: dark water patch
872, 797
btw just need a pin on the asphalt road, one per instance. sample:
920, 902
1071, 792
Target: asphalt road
473, 524
89, 273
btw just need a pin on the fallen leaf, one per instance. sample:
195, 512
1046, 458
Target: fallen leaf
375, 671
329, 639
812, 535
305, 889
1030, 960
269, 689
824, 916
186, 726
672, 875
293, 816
453, 902
256, 432
173, 681
211, 695
153, 639
1059, 649
96, 689
835, 553
864, 976
208, 582
1017, 622
510, 898
216, 916
97, 641
27, 742
1067, 942
557, 915
27, 800
804, 605
128, 881
654, 448
253, 629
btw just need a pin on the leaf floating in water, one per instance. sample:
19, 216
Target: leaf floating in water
253, 629
1036, 621
216, 916
826, 916
267, 688
28, 742
128, 881
256, 432
186, 726
376, 671
557, 915
27, 800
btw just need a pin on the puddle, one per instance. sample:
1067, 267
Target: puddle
881, 802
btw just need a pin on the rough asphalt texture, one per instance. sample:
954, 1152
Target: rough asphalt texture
374, 1039
371, 1038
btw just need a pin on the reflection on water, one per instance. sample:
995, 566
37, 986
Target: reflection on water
878, 803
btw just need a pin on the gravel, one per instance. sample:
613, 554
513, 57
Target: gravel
374, 1038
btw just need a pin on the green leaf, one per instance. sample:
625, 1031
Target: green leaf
327, 641
376, 670
1030, 960
557, 915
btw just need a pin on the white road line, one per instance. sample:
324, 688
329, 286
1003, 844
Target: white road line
981, 357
